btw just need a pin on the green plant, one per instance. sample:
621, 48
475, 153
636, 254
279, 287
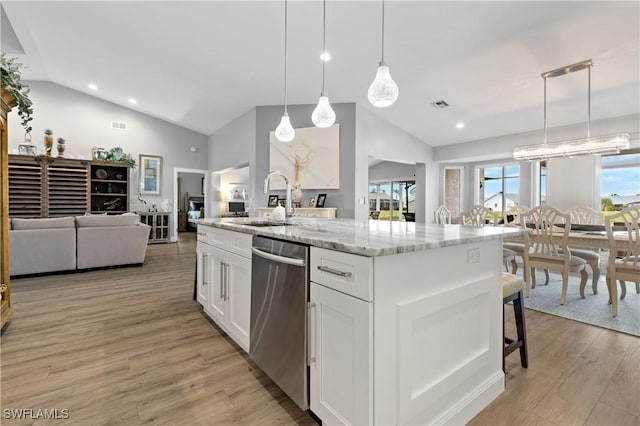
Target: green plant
12, 83
126, 158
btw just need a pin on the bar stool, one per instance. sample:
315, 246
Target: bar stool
512, 291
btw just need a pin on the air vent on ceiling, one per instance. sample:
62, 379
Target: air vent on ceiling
440, 104
118, 125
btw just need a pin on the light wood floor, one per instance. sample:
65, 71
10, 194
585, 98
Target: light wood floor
129, 346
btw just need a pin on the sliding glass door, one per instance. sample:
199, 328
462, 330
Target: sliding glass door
393, 200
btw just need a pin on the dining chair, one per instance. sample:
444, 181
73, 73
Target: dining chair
585, 215
442, 215
478, 216
624, 254
516, 211
542, 252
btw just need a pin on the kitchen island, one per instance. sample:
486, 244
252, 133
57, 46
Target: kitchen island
405, 319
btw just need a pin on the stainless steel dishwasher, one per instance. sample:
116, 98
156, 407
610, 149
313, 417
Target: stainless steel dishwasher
279, 295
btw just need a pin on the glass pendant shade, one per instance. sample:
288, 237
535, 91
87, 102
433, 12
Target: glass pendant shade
383, 92
323, 115
284, 131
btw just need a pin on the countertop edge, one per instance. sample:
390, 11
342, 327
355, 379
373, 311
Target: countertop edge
317, 241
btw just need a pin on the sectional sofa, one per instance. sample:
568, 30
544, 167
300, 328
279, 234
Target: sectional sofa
39, 246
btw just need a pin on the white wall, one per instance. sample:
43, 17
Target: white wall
84, 121
231, 147
389, 170
380, 139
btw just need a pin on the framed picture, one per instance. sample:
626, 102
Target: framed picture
273, 201
150, 175
321, 199
282, 202
312, 202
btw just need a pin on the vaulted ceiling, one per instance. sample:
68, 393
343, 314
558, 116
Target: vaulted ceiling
201, 64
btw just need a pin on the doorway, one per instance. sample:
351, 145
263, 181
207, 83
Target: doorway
189, 198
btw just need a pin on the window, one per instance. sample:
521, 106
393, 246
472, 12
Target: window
620, 180
389, 200
500, 187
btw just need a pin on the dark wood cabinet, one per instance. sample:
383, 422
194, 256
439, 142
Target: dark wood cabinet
109, 188
53, 187
47, 186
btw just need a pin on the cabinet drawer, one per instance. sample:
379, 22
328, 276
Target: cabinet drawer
235, 242
348, 273
239, 243
203, 233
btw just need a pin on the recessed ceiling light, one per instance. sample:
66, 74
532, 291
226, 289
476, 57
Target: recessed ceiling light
325, 56
459, 125
133, 101
93, 86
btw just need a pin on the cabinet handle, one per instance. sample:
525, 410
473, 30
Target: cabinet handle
222, 280
226, 281
334, 271
311, 358
204, 270
202, 233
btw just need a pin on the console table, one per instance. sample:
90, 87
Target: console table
159, 223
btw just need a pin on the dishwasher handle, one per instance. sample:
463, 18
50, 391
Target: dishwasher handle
277, 258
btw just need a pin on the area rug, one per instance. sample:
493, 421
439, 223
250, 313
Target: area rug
593, 309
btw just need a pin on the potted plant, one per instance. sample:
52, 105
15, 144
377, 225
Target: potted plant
13, 84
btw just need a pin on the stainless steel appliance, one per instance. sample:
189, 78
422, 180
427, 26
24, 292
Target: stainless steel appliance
279, 295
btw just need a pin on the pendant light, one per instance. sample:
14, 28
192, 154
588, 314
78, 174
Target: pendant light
608, 144
285, 132
323, 115
383, 92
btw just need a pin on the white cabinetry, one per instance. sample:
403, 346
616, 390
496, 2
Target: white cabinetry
413, 371
224, 280
323, 212
341, 338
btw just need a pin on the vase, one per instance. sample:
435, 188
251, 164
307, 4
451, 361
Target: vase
296, 195
48, 144
61, 147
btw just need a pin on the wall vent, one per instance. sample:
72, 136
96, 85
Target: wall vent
118, 125
440, 104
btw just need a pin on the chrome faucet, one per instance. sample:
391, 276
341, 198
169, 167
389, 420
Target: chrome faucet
288, 206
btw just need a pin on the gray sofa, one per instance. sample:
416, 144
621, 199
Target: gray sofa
65, 244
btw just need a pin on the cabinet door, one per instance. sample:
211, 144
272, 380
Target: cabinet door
341, 341
217, 302
238, 296
203, 276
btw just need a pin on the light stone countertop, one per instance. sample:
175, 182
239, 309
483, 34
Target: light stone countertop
366, 238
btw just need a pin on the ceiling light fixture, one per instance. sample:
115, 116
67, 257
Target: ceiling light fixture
93, 86
323, 115
571, 148
383, 92
133, 101
285, 132
325, 56
459, 125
